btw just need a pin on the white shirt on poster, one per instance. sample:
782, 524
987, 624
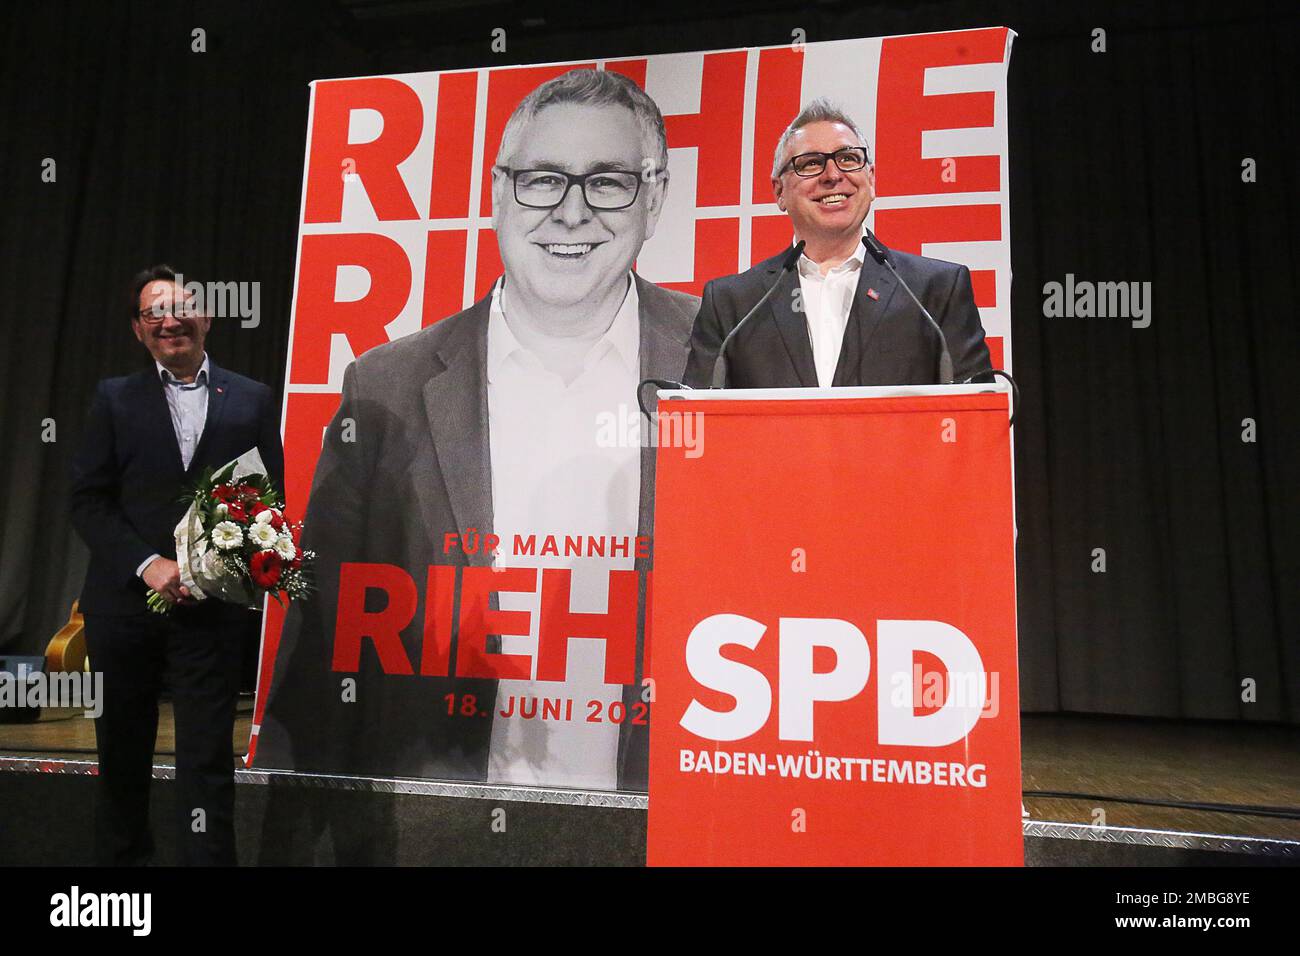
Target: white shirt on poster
551, 475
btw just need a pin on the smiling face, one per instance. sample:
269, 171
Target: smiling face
176, 341
833, 205
574, 256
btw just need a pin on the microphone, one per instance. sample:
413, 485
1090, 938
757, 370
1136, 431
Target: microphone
720, 363
877, 252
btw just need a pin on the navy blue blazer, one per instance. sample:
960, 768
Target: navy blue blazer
128, 477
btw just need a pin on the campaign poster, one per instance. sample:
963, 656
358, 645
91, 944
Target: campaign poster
480, 498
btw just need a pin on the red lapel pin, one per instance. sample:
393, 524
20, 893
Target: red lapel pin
873, 293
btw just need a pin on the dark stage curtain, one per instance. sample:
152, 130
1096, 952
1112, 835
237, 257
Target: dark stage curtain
1125, 166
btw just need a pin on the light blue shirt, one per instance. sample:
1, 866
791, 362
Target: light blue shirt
187, 402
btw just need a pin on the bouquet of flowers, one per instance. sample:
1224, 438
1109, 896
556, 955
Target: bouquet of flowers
234, 542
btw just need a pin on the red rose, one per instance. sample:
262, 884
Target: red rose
264, 568
222, 493
276, 521
235, 512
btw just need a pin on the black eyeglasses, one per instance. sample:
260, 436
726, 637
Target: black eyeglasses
156, 314
546, 188
849, 160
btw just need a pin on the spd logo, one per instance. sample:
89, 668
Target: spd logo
799, 687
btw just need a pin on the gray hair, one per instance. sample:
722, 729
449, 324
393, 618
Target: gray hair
592, 88
820, 110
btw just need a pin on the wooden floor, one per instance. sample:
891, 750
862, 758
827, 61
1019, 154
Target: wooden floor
64, 732
1099, 756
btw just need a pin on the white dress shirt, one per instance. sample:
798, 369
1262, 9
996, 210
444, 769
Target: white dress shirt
187, 402
550, 475
827, 300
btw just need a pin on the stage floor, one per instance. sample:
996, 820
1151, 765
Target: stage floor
1121, 759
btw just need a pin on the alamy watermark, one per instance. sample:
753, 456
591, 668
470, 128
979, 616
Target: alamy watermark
963, 690
133, 911
81, 690
223, 300
626, 427
1084, 299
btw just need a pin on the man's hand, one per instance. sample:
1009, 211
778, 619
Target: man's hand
164, 576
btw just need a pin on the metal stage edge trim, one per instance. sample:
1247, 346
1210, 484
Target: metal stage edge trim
1131, 836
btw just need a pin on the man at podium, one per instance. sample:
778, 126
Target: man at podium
836, 315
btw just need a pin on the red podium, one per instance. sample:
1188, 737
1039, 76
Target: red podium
834, 629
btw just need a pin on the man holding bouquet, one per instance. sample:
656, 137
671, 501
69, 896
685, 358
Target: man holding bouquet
148, 438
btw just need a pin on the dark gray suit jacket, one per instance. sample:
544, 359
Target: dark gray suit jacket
419, 467
887, 340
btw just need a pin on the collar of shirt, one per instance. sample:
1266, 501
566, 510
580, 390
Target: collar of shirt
169, 379
623, 335
811, 270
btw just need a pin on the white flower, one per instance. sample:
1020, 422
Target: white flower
284, 547
262, 535
227, 535
263, 517
221, 510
